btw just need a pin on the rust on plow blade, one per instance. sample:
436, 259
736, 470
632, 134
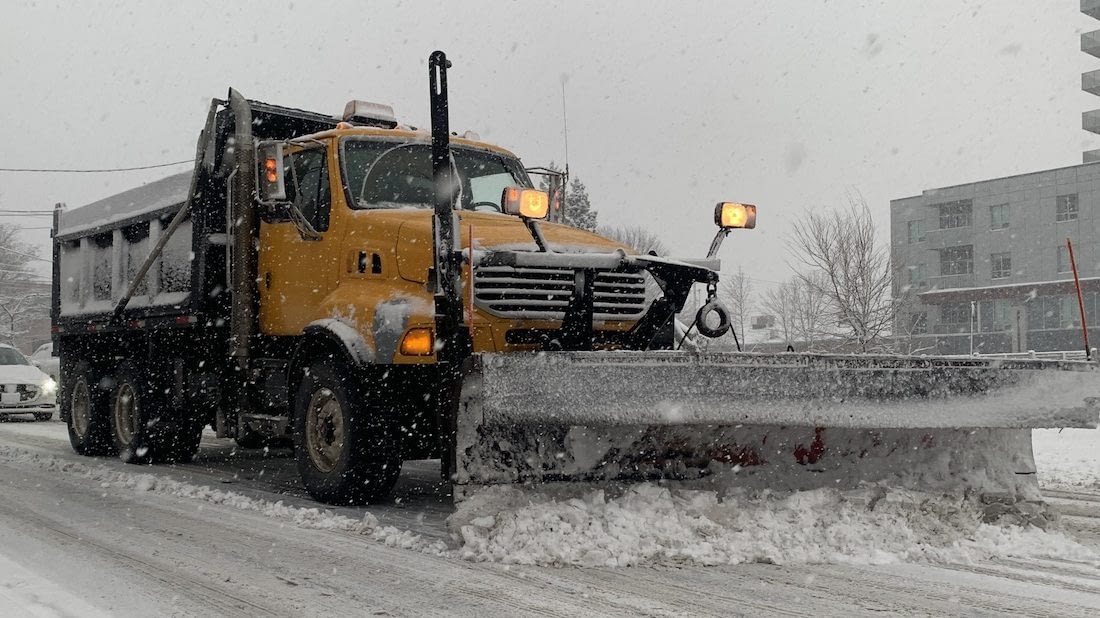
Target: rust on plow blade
801, 419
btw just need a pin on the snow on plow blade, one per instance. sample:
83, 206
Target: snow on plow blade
798, 420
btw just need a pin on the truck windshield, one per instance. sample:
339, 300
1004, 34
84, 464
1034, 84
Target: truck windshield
382, 174
8, 356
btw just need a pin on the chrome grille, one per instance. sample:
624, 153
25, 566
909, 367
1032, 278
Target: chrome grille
26, 392
543, 293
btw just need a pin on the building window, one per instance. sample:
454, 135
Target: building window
955, 318
955, 214
1001, 264
957, 260
916, 276
914, 232
998, 217
995, 316
1066, 209
1053, 312
1063, 260
918, 323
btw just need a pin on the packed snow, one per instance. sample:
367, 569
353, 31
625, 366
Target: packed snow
312, 518
650, 524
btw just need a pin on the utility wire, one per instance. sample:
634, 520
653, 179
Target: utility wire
36, 170
28, 255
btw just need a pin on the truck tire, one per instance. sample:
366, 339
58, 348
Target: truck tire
84, 407
180, 442
346, 442
143, 431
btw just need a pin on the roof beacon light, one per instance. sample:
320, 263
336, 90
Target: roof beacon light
368, 114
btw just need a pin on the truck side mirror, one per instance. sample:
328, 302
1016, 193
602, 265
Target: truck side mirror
270, 183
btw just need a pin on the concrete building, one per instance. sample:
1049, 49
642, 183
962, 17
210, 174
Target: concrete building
1090, 81
984, 266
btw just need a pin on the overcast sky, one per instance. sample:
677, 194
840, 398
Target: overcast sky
671, 106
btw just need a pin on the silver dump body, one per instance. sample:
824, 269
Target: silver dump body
102, 245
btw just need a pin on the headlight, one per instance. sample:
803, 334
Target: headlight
49, 387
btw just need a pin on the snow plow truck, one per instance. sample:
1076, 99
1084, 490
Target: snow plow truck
380, 293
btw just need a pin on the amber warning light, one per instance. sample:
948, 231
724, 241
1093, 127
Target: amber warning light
526, 203
734, 215
271, 170
271, 183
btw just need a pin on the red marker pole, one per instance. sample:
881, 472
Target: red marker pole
1080, 299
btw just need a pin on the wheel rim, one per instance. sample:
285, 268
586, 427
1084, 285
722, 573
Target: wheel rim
81, 408
324, 430
126, 413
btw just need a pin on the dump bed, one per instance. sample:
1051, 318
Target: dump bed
101, 246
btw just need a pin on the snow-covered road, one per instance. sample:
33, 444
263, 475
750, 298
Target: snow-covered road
235, 535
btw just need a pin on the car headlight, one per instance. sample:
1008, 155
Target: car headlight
49, 387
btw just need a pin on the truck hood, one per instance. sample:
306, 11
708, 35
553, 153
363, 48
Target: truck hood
490, 231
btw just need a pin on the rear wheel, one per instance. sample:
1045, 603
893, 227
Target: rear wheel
346, 441
145, 430
84, 408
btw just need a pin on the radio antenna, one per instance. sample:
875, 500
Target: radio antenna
565, 126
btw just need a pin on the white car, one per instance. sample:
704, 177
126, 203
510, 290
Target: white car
44, 359
24, 388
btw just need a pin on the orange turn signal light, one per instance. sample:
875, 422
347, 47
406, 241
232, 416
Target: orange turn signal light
417, 342
526, 203
271, 170
734, 215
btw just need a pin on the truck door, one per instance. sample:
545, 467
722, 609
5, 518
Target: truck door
299, 250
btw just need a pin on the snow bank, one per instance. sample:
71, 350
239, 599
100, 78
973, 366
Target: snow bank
1067, 458
650, 524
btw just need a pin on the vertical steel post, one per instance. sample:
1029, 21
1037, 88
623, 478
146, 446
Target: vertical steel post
446, 283
1080, 300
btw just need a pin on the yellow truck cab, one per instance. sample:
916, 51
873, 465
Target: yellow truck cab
361, 250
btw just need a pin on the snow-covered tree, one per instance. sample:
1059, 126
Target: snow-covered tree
578, 210
19, 304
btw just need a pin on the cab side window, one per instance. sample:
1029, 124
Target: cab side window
307, 184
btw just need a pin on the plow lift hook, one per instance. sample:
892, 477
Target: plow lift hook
711, 306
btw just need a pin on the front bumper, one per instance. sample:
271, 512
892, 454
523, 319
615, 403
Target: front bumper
31, 408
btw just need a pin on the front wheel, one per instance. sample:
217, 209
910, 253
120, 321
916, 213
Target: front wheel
345, 437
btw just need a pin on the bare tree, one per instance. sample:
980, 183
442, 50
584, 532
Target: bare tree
780, 302
909, 323
841, 259
737, 292
801, 311
19, 303
635, 237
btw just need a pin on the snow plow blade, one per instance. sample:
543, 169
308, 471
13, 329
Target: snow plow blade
776, 421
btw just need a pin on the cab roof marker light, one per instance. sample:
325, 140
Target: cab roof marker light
369, 114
